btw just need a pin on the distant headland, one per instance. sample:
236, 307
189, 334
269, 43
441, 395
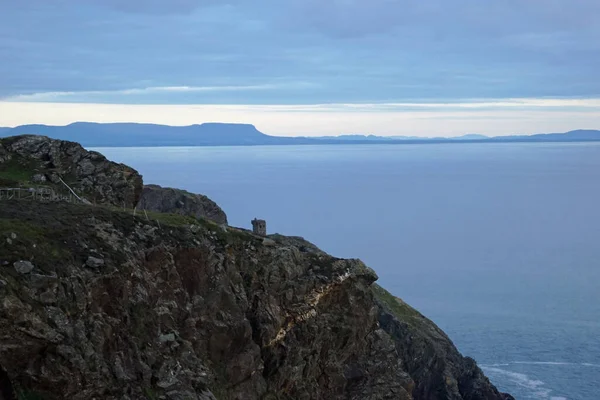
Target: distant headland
223, 134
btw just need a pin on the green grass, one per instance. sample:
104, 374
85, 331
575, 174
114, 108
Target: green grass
23, 229
176, 220
47, 246
15, 172
398, 307
170, 219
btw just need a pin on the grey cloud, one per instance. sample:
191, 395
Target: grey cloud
352, 18
160, 6
154, 6
350, 50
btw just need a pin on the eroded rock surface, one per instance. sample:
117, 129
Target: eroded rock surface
179, 313
31, 160
177, 201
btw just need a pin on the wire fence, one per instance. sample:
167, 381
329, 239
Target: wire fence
37, 193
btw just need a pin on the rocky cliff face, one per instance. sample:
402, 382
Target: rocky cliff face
31, 160
177, 201
96, 303
99, 304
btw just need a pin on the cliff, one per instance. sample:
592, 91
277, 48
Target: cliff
97, 303
33, 161
100, 304
177, 201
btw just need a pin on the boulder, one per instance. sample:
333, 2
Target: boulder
94, 262
23, 267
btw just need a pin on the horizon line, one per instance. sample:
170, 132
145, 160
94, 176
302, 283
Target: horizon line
491, 118
339, 135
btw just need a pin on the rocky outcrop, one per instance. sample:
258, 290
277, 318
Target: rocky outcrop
430, 357
118, 307
177, 201
31, 160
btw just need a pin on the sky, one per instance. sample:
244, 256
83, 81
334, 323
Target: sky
305, 67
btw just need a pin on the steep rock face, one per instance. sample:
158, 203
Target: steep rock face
177, 201
116, 307
37, 160
431, 359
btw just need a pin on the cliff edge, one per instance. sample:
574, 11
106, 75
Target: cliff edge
177, 201
38, 161
98, 303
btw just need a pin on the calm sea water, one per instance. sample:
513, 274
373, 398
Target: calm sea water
499, 244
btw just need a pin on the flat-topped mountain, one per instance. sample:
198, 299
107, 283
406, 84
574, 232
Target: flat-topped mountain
130, 134
222, 134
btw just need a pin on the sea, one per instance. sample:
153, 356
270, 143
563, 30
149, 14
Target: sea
499, 244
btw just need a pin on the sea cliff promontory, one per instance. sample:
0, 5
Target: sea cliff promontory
99, 300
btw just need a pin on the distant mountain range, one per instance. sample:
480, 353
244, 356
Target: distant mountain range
218, 134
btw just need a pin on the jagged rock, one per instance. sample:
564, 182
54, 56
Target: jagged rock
88, 173
23, 267
239, 319
169, 337
269, 242
94, 262
39, 178
177, 201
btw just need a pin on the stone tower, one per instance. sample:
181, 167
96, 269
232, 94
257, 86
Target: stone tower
259, 226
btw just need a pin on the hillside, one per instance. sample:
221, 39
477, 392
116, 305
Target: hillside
96, 302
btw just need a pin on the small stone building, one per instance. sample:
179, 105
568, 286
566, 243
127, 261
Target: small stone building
259, 226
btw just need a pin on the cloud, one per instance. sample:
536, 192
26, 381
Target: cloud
351, 51
89, 95
348, 18
155, 6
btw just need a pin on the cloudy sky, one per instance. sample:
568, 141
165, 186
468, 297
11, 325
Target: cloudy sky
305, 67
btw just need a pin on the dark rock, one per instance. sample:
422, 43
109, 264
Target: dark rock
88, 173
269, 242
177, 201
23, 267
210, 315
94, 262
169, 337
439, 371
39, 178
